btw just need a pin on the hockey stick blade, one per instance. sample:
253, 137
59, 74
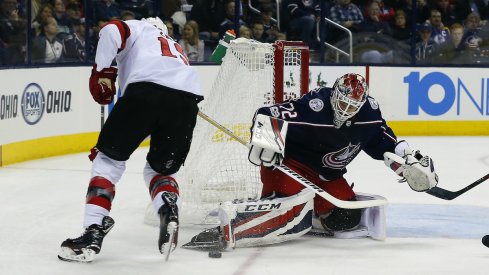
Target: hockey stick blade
450, 195
305, 182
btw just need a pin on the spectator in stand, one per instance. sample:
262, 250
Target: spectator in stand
172, 10
169, 7
448, 15
141, 8
190, 42
475, 30
35, 7
208, 14
270, 27
107, 9
73, 10
303, 17
481, 8
400, 30
61, 16
422, 11
386, 13
93, 38
425, 47
171, 29
372, 22
127, 15
48, 47
12, 33
45, 11
228, 22
440, 33
258, 31
74, 44
452, 48
245, 32
473, 53
346, 14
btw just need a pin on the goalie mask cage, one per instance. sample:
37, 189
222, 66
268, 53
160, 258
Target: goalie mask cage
252, 75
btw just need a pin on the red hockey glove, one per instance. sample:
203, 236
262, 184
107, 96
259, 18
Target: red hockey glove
102, 84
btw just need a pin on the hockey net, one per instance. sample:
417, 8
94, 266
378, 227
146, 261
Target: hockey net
252, 75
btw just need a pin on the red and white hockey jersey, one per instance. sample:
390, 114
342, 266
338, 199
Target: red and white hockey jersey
144, 54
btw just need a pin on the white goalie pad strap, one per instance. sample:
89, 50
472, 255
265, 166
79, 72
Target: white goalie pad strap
372, 223
268, 221
269, 133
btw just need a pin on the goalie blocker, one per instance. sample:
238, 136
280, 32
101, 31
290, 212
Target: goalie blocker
276, 220
267, 145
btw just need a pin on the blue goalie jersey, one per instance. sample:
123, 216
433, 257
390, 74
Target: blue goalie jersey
313, 140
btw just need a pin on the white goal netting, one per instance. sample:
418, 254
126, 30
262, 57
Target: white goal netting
217, 168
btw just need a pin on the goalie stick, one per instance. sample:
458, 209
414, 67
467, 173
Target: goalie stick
450, 195
306, 183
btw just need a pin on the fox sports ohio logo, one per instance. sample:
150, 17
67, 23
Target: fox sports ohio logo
32, 103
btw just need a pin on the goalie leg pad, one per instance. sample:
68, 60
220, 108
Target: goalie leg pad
266, 221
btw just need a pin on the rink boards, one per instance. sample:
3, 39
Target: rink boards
49, 111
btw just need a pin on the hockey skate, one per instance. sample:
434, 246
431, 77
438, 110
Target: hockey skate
168, 212
84, 248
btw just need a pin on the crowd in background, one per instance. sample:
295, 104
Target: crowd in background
427, 31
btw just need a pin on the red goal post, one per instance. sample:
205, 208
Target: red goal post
282, 51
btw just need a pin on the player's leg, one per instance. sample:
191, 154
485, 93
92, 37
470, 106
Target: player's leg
126, 127
170, 144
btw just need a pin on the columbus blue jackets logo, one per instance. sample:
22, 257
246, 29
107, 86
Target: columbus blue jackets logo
341, 158
316, 104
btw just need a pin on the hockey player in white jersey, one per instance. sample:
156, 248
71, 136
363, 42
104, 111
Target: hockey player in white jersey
160, 92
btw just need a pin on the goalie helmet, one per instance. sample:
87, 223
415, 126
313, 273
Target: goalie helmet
350, 92
156, 21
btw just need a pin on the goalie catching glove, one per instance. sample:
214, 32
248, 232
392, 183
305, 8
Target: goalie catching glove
267, 145
416, 169
102, 84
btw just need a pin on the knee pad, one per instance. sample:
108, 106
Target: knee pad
104, 166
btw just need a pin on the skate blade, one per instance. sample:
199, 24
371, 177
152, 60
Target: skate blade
68, 255
168, 247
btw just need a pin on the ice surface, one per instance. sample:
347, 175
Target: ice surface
42, 204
